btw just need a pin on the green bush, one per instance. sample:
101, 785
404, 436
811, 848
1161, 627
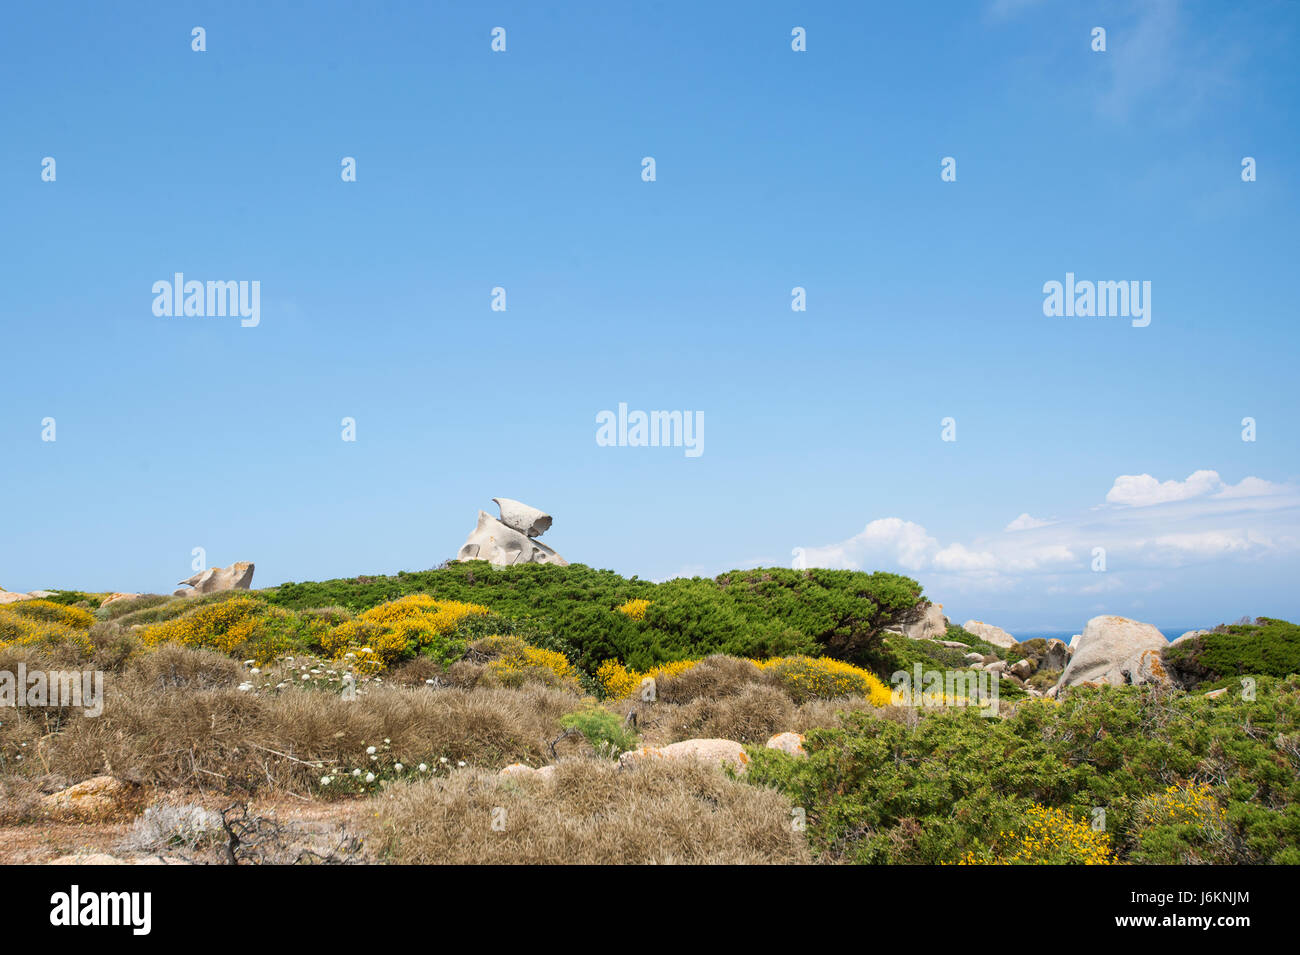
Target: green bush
1267, 646
751, 613
603, 730
879, 790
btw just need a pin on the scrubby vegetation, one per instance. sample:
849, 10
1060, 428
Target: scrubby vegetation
1267, 646
413, 691
957, 786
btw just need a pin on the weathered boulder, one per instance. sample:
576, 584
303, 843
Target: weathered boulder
929, 624
1188, 635
1021, 669
719, 752
989, 633
510, 540
7, 598
1074, 641
791, 743
528, 521
1116, 651
1056, 657
238, 576
518, 771
94, 799
997, 666
974, 658
114, 598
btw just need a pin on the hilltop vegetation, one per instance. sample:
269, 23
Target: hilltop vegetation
416, 690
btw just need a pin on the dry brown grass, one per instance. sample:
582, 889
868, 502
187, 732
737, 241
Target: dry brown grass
172, 719
713, 678
592, 812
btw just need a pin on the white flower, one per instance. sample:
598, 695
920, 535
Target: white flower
442, 759
423, 767
370, 777
306, 677
356, 772
370, 751
244, 687
398, 767
366, 650
461, 763
326, 780
387, 740
255, 671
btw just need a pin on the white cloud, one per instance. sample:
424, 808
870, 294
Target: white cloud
1142, 490
1024, 523
1149, 530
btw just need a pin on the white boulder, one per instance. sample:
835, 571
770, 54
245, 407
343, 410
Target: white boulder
1116, 651
989, 633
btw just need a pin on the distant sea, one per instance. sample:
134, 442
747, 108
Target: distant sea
1171, 633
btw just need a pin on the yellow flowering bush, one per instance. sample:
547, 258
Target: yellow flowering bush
50, 612
515, 663
823, 678
227, 626
803, 678
1186, 804
32, 630
634, 608
400, 628
618, 682
1047, 837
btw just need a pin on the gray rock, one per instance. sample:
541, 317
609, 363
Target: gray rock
930, 625
1056, 657
502, 544
1022, 669
1116, 651
528, 521
238, 576
989, 633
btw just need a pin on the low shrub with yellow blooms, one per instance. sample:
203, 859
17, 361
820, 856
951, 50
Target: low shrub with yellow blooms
634, 608
1185, 804
227, 626
803, 678
1046, 837
515, 663
391, 631
824, 678
50, 612
45, 627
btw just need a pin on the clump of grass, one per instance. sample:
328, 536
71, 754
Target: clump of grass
590, 813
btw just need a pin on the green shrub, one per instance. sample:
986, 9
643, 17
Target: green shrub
751, 613
607, 734
879, 790
1267, 646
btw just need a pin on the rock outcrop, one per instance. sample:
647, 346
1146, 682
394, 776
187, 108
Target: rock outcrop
510, 539
719, 752
98, 798
930, 624
989, 633
1056, 656
1116, 651
791, 743
238, 576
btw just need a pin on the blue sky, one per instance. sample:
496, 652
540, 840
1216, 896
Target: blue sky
774, 169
